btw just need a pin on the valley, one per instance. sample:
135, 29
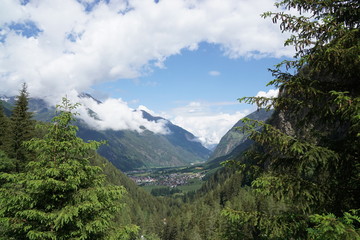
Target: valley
170, 165
114, 169
170, 180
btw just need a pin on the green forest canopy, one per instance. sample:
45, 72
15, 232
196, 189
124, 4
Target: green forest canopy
300, 180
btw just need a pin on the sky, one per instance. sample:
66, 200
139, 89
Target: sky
185, 60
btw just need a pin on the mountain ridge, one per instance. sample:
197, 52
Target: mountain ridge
235, 141
130, 150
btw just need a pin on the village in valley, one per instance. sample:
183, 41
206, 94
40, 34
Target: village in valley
165, 177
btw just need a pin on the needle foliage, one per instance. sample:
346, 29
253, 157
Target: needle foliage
309, 151
60, 195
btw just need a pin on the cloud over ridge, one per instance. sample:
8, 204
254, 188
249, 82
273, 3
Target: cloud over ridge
63, 47
115, 114
208, 126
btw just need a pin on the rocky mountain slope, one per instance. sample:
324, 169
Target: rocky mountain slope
235, 141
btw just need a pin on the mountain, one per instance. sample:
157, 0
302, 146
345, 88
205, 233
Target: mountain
6, 106
41, 110
236, 141
181, 137
141, 208
130, 150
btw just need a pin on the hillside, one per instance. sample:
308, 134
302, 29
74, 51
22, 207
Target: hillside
236, 141
181, 137
141, 208
129, 150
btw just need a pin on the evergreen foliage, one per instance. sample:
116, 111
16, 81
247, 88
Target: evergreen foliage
300, 181
329, 227
310, 148
164, 191
60, 196
141, 209
4, 129
7, 165
21, 129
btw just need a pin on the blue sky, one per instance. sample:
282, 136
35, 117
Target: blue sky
186, 60
202, 75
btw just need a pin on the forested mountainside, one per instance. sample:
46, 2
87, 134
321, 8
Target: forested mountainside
182, 138
58, 181
299, 180
141, 208
129, 150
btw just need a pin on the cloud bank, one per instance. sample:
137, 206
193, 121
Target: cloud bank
115, 114
208, 126
61, 45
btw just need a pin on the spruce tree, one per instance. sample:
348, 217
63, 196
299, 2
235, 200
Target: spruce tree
21, 129
310, 149
61, 196
4, 129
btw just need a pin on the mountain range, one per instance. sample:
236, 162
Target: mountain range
129, 150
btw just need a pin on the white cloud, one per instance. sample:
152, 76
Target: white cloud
214, 73
208, 126
196, 117
76, 49
269, 94
115, 114
272, 93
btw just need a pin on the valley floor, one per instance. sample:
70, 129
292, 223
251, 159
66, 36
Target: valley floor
184, 179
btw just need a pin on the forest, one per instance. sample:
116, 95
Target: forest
299, 180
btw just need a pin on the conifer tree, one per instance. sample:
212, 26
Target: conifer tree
6, 164
310, 149
21, 129
4, 129
60, 196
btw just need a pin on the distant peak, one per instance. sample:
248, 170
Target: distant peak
87, 95
4, 98
150, 117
